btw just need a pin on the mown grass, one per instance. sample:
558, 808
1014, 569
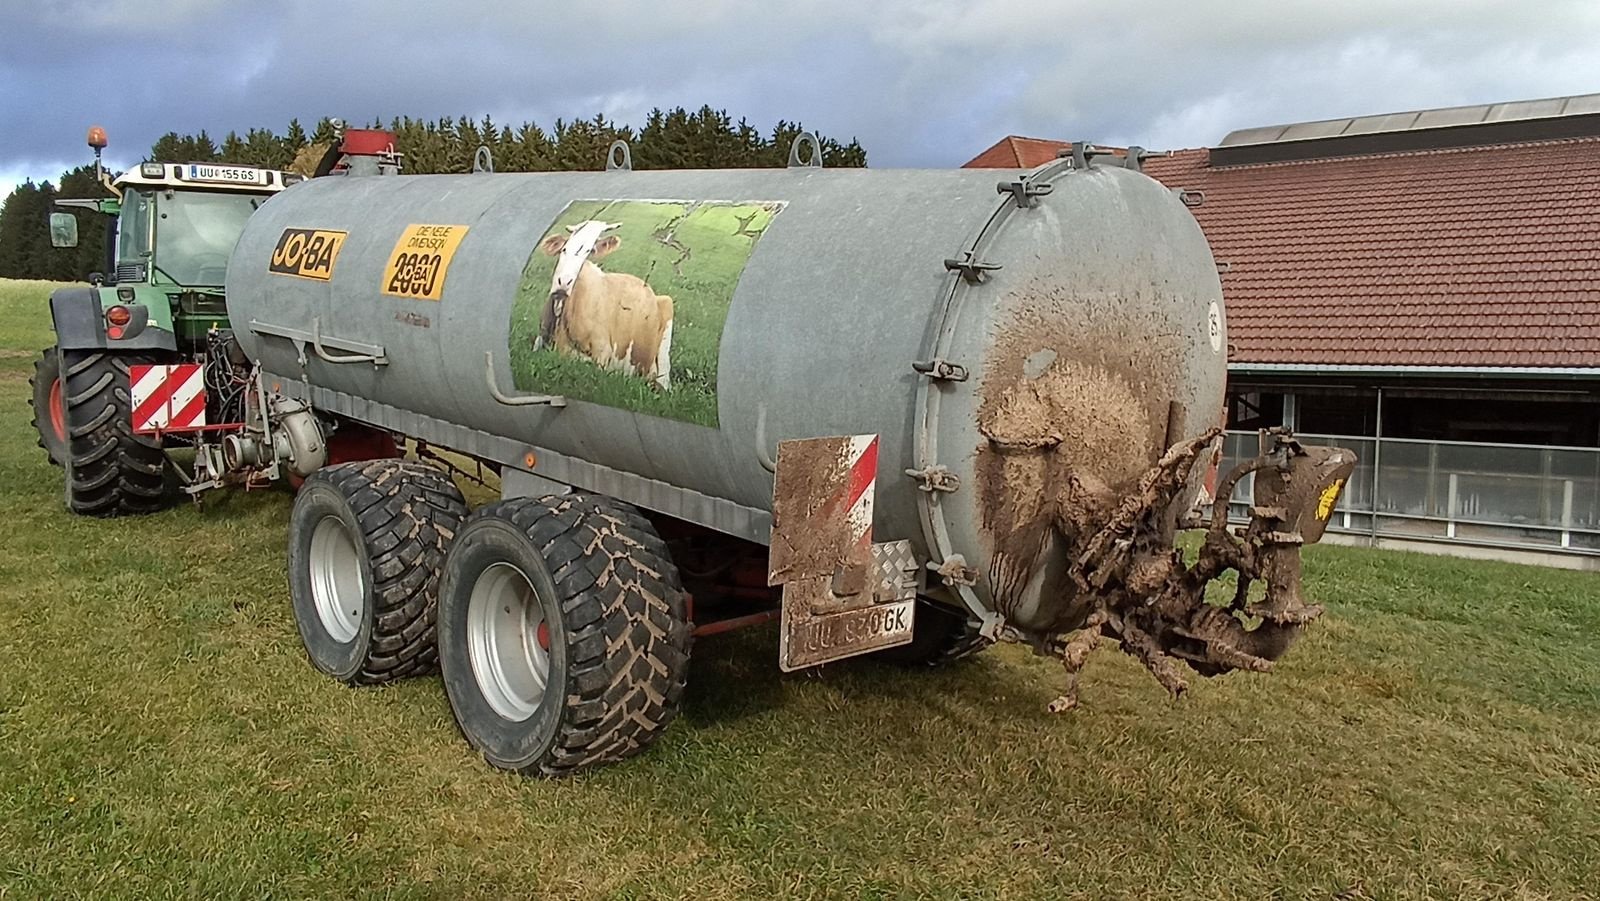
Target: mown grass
1436, 735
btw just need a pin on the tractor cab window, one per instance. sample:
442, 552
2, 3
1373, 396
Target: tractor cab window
133, 227
195, 233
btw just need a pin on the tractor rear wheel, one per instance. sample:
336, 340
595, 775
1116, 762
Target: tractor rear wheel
111, 471
563, 633
49, 413
366, 541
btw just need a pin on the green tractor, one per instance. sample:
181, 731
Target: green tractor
159, 302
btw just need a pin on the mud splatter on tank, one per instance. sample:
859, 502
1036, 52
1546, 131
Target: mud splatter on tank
1070, 418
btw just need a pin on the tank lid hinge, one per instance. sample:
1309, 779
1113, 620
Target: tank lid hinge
941, 369
1025, 191
936, 478
973, 271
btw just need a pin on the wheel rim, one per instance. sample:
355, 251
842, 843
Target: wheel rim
508, 641
58, 411
338, 588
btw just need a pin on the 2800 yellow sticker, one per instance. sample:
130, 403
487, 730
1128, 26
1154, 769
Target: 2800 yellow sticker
307, 253
420, 260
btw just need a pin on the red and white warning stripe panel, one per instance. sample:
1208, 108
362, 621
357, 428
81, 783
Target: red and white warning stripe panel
861, 455
822, 503
169, 398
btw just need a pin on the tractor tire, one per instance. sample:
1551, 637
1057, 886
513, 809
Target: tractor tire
49, 413
110, 470
563, 633
940, 637
366, 541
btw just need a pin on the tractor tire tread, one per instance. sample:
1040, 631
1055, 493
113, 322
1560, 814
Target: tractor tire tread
46, 371
113, 471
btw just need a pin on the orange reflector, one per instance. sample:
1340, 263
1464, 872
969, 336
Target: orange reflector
528, 459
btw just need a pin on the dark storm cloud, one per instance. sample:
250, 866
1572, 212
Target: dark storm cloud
920, 82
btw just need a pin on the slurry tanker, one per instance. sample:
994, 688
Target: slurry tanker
905, 413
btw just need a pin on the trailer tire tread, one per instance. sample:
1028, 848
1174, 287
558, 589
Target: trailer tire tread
625, 616
411, 511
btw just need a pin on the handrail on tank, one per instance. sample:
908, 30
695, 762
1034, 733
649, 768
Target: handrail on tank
363, 353
549, 400
376, 357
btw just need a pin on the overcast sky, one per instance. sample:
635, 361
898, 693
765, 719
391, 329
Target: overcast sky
919, 82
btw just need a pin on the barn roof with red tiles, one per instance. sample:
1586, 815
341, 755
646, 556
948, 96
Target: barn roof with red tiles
1477, 257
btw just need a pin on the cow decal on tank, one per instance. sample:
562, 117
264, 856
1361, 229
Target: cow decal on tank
622, 302
612, 318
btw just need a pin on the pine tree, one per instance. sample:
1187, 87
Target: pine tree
16, 229
233, 149
669, 139
295, 138
25, 250
265, 149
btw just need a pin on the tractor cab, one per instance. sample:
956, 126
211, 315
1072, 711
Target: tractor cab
167, 255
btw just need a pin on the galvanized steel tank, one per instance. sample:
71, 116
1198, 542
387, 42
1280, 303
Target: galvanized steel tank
1079, 311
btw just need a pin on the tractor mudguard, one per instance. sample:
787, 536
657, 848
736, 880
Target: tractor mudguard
79, 318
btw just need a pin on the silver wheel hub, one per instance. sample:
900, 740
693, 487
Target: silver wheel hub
507, 641
338, 588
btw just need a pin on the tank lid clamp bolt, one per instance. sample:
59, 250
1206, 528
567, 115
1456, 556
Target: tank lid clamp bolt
936, 478
972, 271
955, 571
1025, 191
941, 369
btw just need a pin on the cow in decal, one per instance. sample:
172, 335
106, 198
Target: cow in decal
612, 318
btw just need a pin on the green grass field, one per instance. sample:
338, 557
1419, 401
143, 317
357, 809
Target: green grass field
699, 270
1437, 734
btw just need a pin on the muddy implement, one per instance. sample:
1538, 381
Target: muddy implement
1142, 594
